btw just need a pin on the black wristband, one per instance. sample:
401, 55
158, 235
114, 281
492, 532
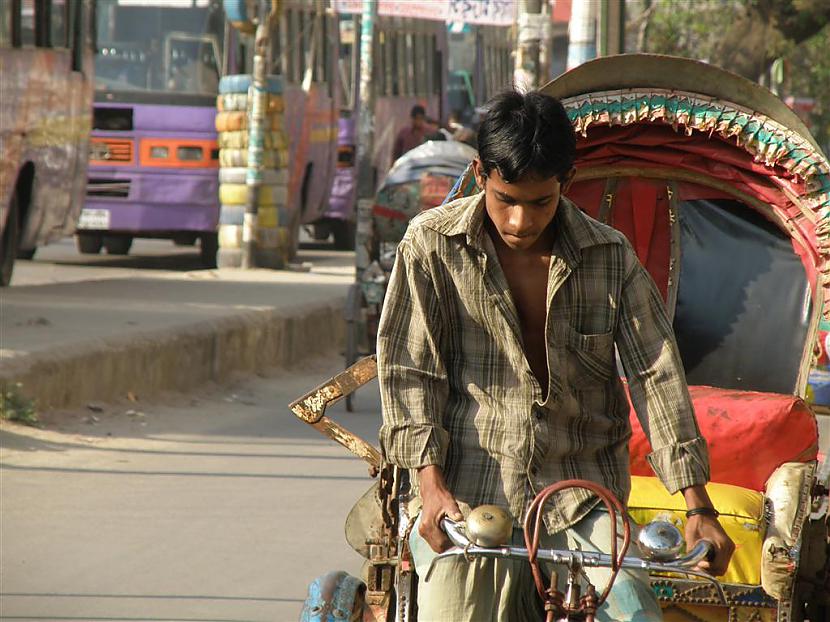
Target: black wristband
704, 511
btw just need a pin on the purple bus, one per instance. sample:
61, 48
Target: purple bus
153, 152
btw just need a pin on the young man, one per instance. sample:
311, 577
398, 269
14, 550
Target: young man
413, 135
498, 376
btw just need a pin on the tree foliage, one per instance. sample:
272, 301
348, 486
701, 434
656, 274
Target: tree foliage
745, 37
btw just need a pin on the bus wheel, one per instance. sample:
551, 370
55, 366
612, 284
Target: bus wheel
208, 248
118, 245
8, 252
89, 243
27, 254
344, 231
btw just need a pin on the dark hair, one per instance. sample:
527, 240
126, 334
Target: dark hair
417, 111
526, 134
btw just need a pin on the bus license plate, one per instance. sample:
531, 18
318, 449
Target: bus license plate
94, 219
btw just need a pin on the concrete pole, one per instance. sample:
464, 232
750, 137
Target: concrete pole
582, 29
611, 27
257, 114
527, 74
366, 118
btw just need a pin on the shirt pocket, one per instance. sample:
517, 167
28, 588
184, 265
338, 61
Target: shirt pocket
591, 360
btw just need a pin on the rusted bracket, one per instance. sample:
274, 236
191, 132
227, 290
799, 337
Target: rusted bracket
311, 408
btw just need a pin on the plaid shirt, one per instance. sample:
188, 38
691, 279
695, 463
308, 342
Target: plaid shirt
457, 390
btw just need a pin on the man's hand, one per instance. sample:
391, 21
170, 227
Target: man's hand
438, 503
704, 527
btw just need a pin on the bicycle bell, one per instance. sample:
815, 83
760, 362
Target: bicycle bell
660, 541
489, 525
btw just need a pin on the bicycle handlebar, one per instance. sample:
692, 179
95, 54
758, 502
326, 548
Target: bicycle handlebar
682, 565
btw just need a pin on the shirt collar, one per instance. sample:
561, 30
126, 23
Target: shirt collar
575, 230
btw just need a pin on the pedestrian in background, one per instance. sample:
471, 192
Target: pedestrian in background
412, 135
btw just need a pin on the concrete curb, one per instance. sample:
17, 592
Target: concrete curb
176, 359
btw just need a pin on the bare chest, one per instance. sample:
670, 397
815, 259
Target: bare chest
528, 280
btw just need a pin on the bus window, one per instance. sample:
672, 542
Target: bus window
401, 63
60, 19
409, 65
6, 25
27, 22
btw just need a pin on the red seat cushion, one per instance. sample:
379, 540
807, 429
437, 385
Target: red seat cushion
749, 434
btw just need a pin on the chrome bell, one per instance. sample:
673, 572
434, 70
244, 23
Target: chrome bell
660, 541
489, 525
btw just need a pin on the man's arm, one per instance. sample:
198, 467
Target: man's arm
661, 400
413, 388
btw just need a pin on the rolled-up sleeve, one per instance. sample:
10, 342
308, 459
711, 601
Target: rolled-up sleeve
649, 354
411, 371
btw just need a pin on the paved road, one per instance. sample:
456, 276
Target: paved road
61, 262
217, 506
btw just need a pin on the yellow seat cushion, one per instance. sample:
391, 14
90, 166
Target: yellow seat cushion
741, 515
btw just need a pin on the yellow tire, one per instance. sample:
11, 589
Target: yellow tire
233, 158
239, 140
237, 194
229, 102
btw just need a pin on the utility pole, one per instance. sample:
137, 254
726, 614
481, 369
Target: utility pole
611, 27
366, 117
531, 31
258, 111
583, 30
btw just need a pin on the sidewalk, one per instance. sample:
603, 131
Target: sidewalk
142, 332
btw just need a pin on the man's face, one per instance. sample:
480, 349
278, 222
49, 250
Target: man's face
418, 121
521, 211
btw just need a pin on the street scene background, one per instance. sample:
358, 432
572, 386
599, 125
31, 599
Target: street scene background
178, 268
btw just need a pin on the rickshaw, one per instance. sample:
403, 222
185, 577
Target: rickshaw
418, 180
725, 197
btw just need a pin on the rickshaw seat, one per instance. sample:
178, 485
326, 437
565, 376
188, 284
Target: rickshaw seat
762, 448
750, 434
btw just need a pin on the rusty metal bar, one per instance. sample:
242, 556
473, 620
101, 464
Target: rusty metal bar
311, 408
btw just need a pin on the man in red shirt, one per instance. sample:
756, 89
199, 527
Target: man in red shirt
413, 135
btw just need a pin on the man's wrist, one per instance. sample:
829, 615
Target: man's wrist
697, 498
706, 511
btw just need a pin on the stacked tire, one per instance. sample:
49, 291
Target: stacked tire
232, 122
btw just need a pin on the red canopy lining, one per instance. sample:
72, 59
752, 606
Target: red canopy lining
660, 147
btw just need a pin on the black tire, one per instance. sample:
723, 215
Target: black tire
344, 234
89, 243
321, 231
185, 240
11, 233
118, 244
28, 254
208, 249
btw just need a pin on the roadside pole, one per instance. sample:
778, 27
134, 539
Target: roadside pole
258, 107
611, 37
528, 74
365, 136
583, 30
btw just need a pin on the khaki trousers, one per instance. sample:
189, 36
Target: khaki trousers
502, 590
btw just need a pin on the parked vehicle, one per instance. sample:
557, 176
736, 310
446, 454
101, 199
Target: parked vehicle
46, 52
724, 195
153, 155
419, 180
305, 47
